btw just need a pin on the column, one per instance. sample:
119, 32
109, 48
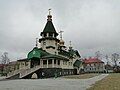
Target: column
47, 34
41, 63
56, 63
53, 35
52, 62
47, 63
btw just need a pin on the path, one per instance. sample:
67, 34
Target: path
50, 84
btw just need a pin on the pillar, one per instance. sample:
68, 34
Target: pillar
53, 63
47, 63
41, 63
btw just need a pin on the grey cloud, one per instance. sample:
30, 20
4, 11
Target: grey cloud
91, 25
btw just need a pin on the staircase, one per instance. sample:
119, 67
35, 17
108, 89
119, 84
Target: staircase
29, 71
22, 73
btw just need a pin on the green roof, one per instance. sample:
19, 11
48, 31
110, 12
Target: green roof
69, 53
49, 28
64, 53
77, 63
36, 53
72, 52
39, 53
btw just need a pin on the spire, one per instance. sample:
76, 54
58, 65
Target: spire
70, 47
49, 27
61, 34
36, 42
61, 40
70, 43
49, 15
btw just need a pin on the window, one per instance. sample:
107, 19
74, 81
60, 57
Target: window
54, 61
56, 44
23, 63
26, 64
44, 43
44, 61
45, 35
69, 63
55, 53
50, 34
65, 62
58, 62
50, 61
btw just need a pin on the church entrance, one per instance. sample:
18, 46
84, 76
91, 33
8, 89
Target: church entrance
34, 62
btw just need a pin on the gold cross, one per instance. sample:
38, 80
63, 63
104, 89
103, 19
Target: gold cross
49, 11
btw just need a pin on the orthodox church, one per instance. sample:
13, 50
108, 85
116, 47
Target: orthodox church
50, 57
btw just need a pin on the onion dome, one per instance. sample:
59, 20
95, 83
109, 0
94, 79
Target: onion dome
61, 42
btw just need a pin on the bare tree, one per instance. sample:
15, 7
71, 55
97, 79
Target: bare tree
107, 59
5, 59
115, 58
98, 54
107, 65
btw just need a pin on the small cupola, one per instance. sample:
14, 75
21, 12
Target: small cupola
61, 40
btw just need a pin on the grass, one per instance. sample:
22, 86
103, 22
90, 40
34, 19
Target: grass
82, 76
111, 82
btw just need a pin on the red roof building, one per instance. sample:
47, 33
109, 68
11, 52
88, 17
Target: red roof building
93, 65
92, 60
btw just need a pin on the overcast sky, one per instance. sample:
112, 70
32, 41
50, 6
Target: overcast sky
91, 25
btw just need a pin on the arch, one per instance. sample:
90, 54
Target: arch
34, 76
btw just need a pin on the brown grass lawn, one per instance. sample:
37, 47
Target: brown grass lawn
82, 76
111, 82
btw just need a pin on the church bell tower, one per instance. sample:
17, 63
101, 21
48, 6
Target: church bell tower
49, 41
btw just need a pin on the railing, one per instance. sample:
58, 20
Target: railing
28, 71
23, 72
14, 73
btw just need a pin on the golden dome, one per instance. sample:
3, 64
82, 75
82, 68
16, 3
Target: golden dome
61, 42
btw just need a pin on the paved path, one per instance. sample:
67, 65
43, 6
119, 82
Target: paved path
50, 84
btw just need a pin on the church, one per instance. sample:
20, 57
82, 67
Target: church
50, 57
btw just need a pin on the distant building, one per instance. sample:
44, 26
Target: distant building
93, 65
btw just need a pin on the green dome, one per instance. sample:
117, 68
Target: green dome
36, 53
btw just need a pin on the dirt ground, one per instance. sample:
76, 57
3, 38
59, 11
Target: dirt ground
111, 82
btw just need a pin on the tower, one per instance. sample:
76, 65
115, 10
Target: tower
61, 43
49, 41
